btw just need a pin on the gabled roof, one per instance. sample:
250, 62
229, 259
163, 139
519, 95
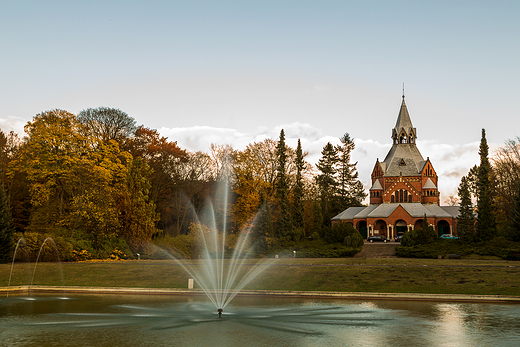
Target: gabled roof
429, 184
376, 186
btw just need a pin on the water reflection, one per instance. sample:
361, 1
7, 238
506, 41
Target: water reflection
148, 321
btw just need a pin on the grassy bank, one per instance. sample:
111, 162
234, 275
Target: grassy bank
445, 276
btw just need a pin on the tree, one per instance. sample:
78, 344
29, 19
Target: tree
107, 124
298, 208
263, 231
466, 218
54, 148
350, 189
166, 160
137, 210
514, 232
326, 180
486, 226
6, 227
254, 173
506, 173
282, 189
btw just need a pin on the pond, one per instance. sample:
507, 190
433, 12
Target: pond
148, 320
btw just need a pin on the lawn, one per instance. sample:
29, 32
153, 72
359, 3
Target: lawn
437, 276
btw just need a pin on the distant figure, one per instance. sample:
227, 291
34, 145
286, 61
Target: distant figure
219, 313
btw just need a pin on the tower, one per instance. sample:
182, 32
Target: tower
404, 176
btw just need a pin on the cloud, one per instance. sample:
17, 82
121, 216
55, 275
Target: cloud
451, 161
12, 123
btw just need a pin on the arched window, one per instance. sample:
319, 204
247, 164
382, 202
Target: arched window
401, 195
392, 198
410, 198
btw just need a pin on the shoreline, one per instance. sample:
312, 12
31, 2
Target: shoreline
279, 293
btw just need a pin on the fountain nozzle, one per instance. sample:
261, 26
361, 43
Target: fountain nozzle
219, 313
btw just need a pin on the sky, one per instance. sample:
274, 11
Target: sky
235, 72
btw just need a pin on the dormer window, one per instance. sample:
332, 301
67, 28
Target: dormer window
402, 163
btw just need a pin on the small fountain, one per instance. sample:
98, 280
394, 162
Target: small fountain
22, 242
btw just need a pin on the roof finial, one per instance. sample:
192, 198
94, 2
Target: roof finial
403, 90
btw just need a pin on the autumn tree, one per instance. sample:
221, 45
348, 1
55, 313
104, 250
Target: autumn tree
77, 182
506, 174
254, 172
166, 159
53, 149
486, 226
514, 226
107, 124
137, 210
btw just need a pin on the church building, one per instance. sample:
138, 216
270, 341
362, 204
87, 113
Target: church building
404, 190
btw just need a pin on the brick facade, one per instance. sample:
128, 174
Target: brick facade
404, 190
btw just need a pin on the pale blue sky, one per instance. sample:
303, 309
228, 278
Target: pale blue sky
238, 71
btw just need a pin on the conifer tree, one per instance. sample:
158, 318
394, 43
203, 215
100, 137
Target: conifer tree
6, 227
350, 189
466, 218
282, 189
486, 226
298, 211
326, 180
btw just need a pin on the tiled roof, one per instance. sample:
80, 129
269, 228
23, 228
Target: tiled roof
349, 213
415, 210
413, 160
452, 210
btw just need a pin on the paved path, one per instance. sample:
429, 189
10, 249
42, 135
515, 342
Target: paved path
378, 250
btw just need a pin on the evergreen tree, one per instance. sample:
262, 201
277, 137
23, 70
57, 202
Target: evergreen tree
326, 180
282, 189
317, 225
350, 189
263, 229
298, 210
466, 218
6, 228
486, 226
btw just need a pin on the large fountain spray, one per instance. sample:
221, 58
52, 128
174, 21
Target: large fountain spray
221, 276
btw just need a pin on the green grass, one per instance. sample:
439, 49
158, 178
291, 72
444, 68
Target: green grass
439, 276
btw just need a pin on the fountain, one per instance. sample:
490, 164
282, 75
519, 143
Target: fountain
21, 241
221, 279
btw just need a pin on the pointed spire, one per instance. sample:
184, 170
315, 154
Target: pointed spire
403, 126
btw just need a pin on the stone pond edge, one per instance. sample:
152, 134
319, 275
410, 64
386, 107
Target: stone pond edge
281, 293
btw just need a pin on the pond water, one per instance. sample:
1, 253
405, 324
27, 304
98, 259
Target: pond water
113, 320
